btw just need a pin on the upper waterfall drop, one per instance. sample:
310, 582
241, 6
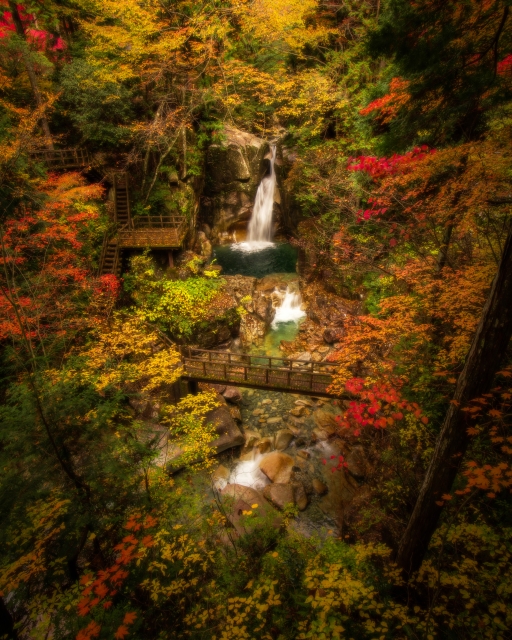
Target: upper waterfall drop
260, 225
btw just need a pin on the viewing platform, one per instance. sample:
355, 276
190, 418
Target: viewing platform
63, 159
157, 232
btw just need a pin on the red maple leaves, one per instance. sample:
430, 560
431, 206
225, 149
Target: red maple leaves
40, 38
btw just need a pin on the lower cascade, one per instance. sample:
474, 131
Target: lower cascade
290, 309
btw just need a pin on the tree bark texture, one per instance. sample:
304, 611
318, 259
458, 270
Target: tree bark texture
489, 345
20, 30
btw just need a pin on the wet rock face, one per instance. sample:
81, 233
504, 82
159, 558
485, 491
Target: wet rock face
229, 435
277, 467
234, 168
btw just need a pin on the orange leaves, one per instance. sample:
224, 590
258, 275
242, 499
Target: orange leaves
122, 631
92, 630
147, 541
108, 583
129, 618
389, 105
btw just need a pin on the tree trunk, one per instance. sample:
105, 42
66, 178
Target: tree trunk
489, 345
30, 71
6, 622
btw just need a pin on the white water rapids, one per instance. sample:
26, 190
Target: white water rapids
290, 309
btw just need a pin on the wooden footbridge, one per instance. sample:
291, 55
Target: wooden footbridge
258, 372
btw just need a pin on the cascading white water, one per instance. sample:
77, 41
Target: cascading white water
249, 474
290, 309
259, 230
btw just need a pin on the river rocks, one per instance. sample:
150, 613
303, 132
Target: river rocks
264, 445
247, 455
266, 401
220, 477
277, 467
262, 308
274, 420
244, 506
325, 419
303, 453
235, 413
280, 495
298, 411
283, 439
318, 435
357, 464
326, 425
232, 394
257, 412
229, 435
319, 487
252, 438
300, 496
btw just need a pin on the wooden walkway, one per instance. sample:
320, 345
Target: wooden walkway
137, 232
63, 159
258, 372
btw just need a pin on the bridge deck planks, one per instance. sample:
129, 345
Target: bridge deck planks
260, 372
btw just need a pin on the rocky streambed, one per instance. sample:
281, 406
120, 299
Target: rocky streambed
291, 456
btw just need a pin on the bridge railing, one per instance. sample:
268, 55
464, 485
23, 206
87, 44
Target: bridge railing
62, 158
158, 222
258, 371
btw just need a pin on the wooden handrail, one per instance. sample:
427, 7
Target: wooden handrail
158, 222
248, 359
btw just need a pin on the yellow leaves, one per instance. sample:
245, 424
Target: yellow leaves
127, 351
281, 22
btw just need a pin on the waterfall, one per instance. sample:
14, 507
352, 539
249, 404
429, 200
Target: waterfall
260, 225
290, 309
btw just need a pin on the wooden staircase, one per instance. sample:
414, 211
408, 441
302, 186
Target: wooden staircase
111, 258
121, 200
111, 254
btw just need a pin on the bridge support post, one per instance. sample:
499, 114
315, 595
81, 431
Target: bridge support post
193, 387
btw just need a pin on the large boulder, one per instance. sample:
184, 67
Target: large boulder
232, 394
252, 330
240, 286
341, 489
244, 508
229, 434
283, 438
280, 495
277, 467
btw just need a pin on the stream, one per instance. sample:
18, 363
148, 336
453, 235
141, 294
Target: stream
270, 417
